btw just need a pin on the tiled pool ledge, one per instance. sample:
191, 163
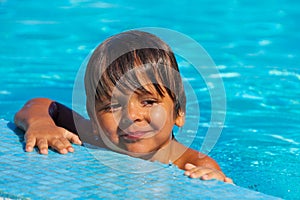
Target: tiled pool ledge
82, 176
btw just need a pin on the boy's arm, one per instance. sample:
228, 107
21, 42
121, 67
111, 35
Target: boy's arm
34, 110
41, 130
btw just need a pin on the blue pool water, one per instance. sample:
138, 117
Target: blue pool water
254, 44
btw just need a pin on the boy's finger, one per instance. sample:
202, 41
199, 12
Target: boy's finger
189, 166
228, 180
58, 146
190, 169
67, 144
75, 140
213, 175
200, 173
72, 137
30, 143
42, 144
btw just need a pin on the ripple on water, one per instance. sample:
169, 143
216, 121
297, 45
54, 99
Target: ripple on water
276, 72
4, 92
288, 140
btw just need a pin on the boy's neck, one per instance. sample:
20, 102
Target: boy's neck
169, 153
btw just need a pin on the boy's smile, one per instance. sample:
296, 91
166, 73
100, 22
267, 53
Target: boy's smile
136, 135
141, 122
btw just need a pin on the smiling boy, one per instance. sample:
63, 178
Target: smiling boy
135, 96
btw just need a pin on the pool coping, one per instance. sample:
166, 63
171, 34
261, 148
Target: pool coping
97, 173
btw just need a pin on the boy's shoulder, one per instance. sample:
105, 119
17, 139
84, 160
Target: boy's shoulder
194, 157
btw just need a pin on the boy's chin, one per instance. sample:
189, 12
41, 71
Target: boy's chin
139, 153
145, 156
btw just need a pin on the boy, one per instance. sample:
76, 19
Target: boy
135, 96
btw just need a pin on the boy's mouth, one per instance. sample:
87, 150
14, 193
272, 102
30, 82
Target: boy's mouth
136, 135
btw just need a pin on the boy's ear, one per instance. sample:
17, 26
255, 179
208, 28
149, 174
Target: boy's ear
180, 119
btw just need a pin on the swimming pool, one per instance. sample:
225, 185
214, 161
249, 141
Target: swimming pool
254, 45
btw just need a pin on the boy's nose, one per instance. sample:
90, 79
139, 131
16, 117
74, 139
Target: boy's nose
134, 111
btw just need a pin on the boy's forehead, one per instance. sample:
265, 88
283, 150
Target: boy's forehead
138, 79
148, 88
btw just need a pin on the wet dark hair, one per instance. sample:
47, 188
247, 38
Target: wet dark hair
128, 60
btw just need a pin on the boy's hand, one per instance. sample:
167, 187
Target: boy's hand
45, 135
205, 173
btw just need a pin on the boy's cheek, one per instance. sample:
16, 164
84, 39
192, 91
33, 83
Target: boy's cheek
109, 129
158, 117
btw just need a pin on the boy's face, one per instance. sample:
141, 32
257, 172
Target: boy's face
138, 122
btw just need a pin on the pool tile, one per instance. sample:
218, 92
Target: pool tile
88, 174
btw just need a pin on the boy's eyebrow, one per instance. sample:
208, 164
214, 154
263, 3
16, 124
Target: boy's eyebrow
143, 91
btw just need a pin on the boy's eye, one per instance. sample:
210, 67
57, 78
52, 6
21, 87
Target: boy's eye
112, 107
149, 102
